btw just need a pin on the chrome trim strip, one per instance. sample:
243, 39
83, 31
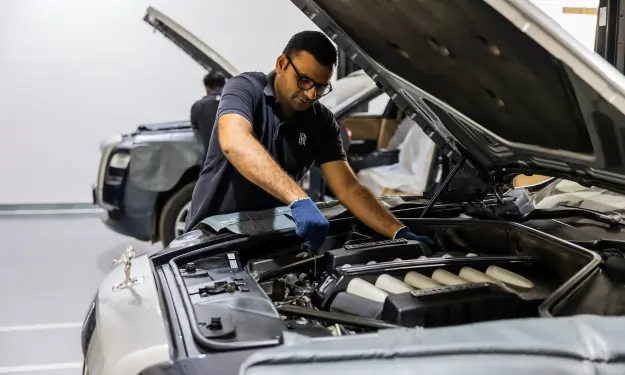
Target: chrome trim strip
106, 154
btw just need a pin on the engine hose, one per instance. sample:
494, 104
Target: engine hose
334, 317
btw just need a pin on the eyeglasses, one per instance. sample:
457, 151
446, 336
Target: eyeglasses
305, 83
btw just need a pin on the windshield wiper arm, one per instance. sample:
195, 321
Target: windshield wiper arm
610, 218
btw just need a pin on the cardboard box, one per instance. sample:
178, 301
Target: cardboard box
390, 192
364, 127
388, 128
523, 180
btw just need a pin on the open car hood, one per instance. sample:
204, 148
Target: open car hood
189, 43
495, 81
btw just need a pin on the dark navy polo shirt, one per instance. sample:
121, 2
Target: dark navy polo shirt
203, 114
294, 143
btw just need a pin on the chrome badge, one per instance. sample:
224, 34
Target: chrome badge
126, 260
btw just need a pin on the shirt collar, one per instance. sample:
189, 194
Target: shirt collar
268, 90
216, 92
269, 86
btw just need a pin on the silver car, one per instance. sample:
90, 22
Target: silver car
524, 280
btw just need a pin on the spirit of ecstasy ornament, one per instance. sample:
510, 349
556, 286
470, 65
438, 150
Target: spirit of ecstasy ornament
126, 260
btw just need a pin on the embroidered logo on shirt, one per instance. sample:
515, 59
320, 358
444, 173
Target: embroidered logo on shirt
302, 139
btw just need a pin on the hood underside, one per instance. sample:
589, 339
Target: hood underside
189, 43
497, 81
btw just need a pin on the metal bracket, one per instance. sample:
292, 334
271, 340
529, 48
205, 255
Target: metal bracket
126, 259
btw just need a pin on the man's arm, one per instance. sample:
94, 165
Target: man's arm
341, 179
236, 136
250, 158
235, 130
358, 199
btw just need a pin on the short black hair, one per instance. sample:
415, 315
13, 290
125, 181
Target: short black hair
314, 42
213, 79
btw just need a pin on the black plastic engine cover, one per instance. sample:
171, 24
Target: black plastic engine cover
378, 251
454, 305
356, 305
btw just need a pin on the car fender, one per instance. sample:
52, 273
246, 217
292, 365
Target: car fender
130, 332
158, 166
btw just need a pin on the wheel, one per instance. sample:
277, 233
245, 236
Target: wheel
174, 214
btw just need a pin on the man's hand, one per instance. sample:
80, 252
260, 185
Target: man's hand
310, 223
253, 161
407, 234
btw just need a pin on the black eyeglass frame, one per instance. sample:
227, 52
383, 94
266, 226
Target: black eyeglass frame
301, 77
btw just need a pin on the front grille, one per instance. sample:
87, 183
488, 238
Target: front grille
87, 328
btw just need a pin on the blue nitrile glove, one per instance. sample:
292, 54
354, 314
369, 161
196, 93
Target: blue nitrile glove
310, 223
406, 233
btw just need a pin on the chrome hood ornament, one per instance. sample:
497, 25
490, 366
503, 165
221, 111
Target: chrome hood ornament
126, 259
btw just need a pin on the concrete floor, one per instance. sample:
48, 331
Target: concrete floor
50, 268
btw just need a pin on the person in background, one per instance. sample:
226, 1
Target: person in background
203, 111
270, 128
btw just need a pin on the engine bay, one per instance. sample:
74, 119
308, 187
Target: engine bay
478, 271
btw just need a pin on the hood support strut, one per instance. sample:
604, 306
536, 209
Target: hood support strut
443, 186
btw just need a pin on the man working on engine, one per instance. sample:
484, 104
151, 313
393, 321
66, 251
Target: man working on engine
270, 128
203, 111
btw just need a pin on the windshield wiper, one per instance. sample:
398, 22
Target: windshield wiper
610, 218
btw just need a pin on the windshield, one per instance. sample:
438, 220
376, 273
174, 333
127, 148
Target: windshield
348, 89
568, 193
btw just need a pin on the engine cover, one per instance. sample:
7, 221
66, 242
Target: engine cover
377, 251
454, 305
443, 290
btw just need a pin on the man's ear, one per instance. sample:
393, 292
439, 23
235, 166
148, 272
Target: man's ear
281, 63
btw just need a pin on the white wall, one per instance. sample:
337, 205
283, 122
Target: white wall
581, 26
74, 72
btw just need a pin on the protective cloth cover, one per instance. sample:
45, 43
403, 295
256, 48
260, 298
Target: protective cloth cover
578, 345
158, 162
250, 223
411, 173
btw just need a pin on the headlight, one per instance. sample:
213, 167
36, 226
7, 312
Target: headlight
120, 160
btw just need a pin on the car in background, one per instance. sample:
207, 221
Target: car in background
146, 178
529, 280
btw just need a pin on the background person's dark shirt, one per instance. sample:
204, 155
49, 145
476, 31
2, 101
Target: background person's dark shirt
294, 143
203, 114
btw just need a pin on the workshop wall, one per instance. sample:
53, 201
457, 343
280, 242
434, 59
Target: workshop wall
74, 72
577, 17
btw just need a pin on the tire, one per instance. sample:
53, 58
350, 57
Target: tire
174, 214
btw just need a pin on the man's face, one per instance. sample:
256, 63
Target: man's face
301, 80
